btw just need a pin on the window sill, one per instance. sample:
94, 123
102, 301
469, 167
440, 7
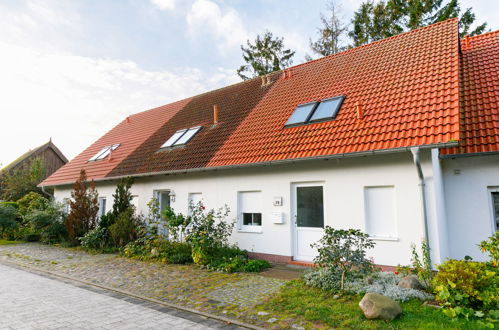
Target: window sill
253, 231
392, 239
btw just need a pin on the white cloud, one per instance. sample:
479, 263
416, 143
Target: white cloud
164, 4
206, 18
76, 99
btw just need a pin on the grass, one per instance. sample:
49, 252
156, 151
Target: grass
318, 308
7, 242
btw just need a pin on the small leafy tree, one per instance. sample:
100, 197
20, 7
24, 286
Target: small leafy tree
23, 180
84, 206
344, 251
266, 55
491, 246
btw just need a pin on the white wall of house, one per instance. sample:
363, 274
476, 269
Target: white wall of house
347, 185
469, 182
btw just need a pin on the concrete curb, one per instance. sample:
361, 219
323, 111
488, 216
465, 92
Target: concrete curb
54, 275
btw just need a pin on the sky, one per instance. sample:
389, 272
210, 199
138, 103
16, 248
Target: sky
70, 70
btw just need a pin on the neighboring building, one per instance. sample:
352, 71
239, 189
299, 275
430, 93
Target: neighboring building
48, 152
348, 140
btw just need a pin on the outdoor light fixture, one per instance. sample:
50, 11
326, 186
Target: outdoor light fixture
172, 196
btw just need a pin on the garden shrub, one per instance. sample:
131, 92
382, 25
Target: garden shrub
14, 204
96, 239
30, 202
491, 246
160, 249
471, 286
344, 252
126, 229
48, 224
8, 219
421, 265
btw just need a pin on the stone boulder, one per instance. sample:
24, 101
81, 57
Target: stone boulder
411, 282
377, 306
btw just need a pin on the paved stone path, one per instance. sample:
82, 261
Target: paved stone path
31, 301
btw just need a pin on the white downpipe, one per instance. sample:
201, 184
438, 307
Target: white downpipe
417, 161
440, 207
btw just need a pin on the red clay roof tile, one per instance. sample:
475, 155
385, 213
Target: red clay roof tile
407, 86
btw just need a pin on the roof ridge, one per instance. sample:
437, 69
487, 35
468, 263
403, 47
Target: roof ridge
375, 42
483, 35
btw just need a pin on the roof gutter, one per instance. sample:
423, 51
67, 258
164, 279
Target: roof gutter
270, 163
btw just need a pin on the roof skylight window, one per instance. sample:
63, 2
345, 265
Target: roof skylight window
301, 114
181, 137
104, 152
323, 110
327, 109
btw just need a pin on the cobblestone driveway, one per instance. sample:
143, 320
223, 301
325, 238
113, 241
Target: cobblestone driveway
31, 301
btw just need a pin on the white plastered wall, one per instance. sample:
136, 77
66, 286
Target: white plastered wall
344, 182
468, 183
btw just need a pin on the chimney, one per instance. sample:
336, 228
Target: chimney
127, 119
360, 111
215, 114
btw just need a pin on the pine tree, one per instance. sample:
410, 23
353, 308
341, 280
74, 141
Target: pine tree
84, 206
330, 34
266, 55
383, 19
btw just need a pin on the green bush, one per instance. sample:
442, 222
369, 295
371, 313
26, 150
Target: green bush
30, 202
48, 223
127, 228
467, 288
8, 220
96, 239
344, 251
14, 204
159, 249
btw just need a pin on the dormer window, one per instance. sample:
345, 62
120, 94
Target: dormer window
181, 137
313, 112
104, 152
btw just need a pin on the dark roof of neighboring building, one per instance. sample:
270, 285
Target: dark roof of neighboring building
407, 88
29, 155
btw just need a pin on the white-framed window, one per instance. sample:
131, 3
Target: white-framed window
135, 203
194, 199
102, 206
66, 205
380, 212
250, 210
495, 208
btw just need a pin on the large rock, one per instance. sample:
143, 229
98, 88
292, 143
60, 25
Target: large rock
377, 306
411, 282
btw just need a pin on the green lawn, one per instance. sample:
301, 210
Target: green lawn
7, 242
296, 301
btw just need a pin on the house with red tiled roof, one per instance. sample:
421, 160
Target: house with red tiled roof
398, 138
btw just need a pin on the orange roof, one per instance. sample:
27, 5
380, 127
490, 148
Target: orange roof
130, 133
406, 85
479, 95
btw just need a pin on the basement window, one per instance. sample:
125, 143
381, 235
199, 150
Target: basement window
250, 210
104, 152
313, 112
181, 137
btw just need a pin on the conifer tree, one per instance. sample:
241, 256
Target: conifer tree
266, 55
84, 206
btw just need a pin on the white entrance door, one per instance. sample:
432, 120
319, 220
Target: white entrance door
308, 215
